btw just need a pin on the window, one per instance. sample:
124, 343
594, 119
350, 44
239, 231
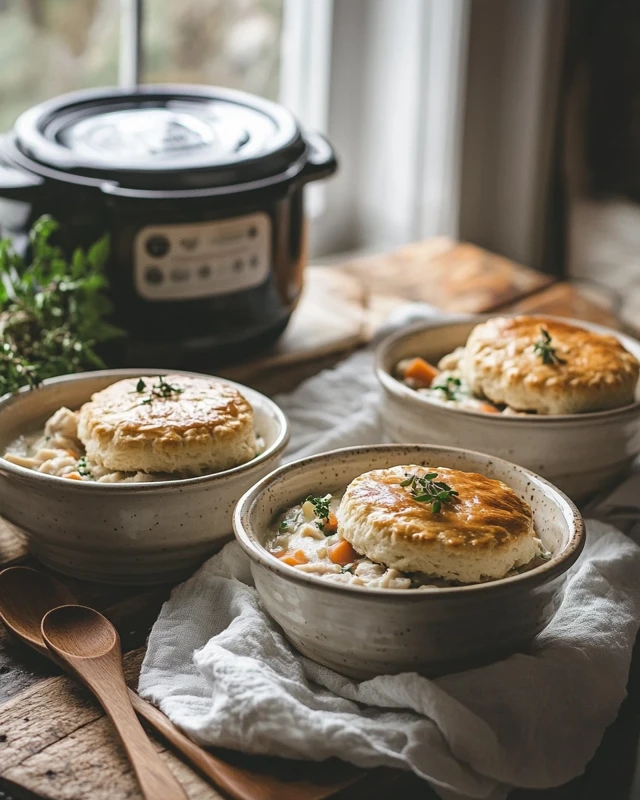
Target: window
48, 47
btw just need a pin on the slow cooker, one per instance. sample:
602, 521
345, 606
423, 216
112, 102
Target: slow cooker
201, 191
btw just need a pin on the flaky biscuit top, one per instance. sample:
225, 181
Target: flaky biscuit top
486, 513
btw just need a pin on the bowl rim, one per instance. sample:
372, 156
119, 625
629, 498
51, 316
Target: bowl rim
392, 385
278, 445
258, 554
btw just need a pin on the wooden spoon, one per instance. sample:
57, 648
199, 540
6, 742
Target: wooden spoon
89, 645
26, 595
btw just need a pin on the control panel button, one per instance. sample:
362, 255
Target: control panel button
179, 274
154, 276
157, 246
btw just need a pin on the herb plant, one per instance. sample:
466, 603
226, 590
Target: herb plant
53, 311
427, 490
545, 350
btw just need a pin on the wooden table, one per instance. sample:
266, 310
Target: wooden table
54, 740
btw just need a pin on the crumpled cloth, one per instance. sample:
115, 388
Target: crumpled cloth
222, 670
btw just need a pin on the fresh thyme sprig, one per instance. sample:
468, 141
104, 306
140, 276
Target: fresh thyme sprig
321, 506
449, 387
53, 309
545, 350
425, 489
159, 390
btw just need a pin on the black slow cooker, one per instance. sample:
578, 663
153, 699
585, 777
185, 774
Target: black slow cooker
201, 191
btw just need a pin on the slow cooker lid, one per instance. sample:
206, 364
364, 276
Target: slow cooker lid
162, 136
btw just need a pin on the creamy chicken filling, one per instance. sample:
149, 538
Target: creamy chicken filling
307, 538
445, 384
57, 450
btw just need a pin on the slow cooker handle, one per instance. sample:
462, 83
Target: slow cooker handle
16, 183
321, 158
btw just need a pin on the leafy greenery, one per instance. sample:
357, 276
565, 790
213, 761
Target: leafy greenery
545, 350
52, 311
425, 489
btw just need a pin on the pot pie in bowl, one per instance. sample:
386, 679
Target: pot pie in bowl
410, 527
557, 396
145, 429
394, 558
123, 476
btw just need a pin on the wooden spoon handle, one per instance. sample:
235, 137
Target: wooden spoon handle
241, 783
103, 676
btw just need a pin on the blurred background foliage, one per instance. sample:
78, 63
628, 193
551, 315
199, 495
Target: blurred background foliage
48, 47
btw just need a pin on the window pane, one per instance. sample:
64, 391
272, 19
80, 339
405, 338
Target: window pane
48, 47
232, 43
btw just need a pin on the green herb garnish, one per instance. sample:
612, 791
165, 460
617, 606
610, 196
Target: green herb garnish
284, 526
82, 467
347, 568
159, 390
427, 490
321, 506
52, 310
545, 350
449, 387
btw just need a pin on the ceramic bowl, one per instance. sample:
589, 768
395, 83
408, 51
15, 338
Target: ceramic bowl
128, 533
362, 632
579, 453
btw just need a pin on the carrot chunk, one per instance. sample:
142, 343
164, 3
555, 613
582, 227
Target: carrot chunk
342, 553
489, 409
74, 476
421, 372
295, 558
331, 525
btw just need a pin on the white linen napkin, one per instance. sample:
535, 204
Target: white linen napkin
223, 672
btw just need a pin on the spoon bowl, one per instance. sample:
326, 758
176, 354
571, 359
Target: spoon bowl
79, 631
25, 597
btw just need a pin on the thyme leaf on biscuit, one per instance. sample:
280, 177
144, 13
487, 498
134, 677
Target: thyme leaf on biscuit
162, 389
424, 489
545, 349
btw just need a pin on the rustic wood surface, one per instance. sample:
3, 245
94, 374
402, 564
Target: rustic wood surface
56, 743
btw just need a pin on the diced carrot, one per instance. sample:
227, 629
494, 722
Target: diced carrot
293, 559
421, 372
72, 453
278, 552
342, 553
489, 409
331, 525
74, 476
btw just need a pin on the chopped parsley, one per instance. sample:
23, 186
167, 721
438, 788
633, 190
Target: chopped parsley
545, 350
284, 526
450, 387
82, 467
427, 490
321, 506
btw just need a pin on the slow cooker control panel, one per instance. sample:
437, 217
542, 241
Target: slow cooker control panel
182, 262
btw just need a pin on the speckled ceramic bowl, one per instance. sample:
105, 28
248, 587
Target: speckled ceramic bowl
127, 533
362, 632
580, 453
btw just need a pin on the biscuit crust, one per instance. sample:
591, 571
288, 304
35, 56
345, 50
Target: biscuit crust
208, 426
481, 534
594, 371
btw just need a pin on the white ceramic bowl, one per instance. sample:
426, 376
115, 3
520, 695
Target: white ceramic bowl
580, 453
128, 533
362, 632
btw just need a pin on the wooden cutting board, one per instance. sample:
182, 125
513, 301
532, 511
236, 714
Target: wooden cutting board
54, 741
